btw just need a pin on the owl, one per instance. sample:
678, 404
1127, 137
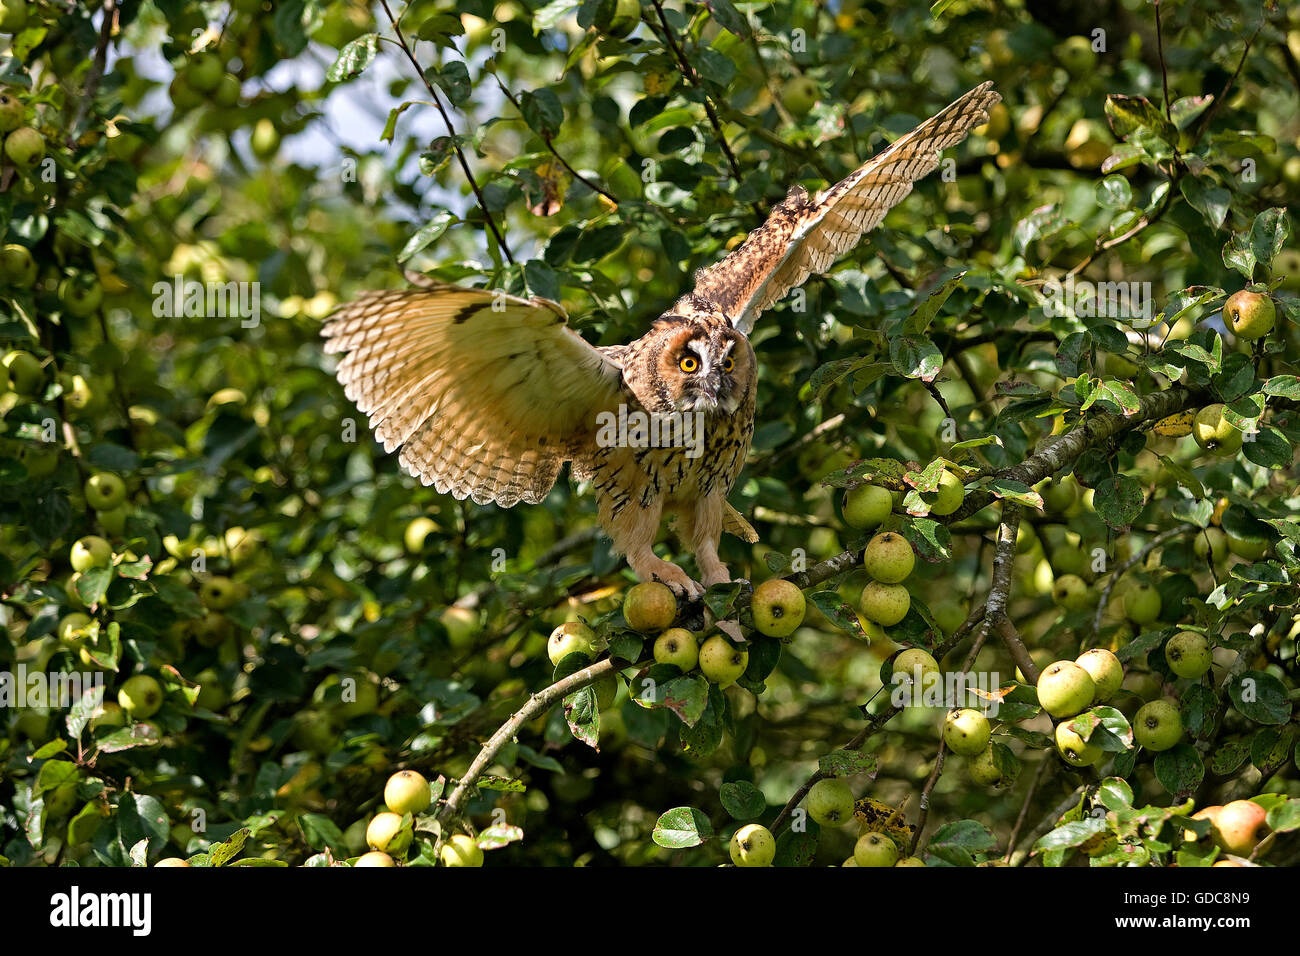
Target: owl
488, 395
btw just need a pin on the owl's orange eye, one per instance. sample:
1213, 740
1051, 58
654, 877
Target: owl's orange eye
729, 364
689, 364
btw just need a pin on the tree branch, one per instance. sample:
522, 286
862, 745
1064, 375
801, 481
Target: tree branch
451, 131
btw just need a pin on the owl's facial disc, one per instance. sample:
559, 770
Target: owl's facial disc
708, 375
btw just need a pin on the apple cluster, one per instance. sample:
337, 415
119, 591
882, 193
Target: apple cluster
889, 560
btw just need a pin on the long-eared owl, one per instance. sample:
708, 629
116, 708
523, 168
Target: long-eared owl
488, 394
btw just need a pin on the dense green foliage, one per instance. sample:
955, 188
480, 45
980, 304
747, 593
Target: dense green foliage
289, 589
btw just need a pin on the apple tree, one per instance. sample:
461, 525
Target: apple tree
1023, 481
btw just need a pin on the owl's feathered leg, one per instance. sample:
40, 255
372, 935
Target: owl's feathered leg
633, 531
701, 529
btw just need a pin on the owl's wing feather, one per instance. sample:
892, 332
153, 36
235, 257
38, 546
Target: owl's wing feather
487, 394
804, 236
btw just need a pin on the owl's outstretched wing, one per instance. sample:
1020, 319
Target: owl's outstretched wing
487, 394
804, 236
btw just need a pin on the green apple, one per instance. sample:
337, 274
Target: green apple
70, 625
1087, 144
212, 696
25, 147
212, 629
1249, 314
1212, 542
17, 267
314, 731
889, 558
799, 95
1059, 496
948, 614
1215, 433
416, 532
753, 845
1189, 654
26, 376
983, 768
13, 15
374, 858
171, 861
407, 791
105, 491
12, 111
204, 71
1142, 604
1157, 725
875, 849
778, 607
867, 505
265, 139
114, 520
909, 861
81, 295
1071, 592
572, 637
228, 91
1106, 671
462, 626
387, 834
140, 696
218, 593
966, 731
679, 647
830, 802
948, 497
110, 714
1248, 549
1073, 749
242, 545
721, 661
461, 850
1076, 55
915, 666
649, 607
1065, 689
886, 604
92, 551
626, 16
1237, 826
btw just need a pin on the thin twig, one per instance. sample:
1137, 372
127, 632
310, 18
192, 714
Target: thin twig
1135, 559
1164, 72
535, 706
1043, 767
96, 74
554, 152
451, 131
693, 78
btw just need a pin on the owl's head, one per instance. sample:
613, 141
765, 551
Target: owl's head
702, 363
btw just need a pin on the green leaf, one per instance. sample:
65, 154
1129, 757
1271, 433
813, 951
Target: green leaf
1016, 491
915, 356
961, 841
681, 828
1261, 697
742, 800
542, 112
1283, 386
353, 58
1284, 817
837, 612
1209, 200
1114, 192
1179, 769
847, 763
1115, 393
1268, 234
453, 79
728, 17
1118, 501
923, 314
430, 232
222, 853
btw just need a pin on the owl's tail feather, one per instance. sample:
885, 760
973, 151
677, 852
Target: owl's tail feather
734, 523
